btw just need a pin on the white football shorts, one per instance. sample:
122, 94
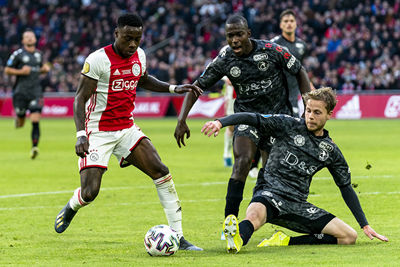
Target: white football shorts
103, 144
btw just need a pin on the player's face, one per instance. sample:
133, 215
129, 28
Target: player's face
237, 37
316, 116
127, 40
288, 24
29, 39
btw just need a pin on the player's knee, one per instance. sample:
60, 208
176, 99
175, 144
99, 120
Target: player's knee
243, 163
158, 171
89, 194
349, 238
255, 218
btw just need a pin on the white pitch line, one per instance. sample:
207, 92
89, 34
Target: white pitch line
183, 201
177, 185
106, 189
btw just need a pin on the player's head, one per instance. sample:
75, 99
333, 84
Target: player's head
128, 34
319, 107
288, 22
28, 38
237, 35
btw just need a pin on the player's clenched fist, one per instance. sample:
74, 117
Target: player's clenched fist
211, 127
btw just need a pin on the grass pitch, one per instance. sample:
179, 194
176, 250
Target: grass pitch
110, 231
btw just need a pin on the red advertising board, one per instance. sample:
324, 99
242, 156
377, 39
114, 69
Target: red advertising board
348, 106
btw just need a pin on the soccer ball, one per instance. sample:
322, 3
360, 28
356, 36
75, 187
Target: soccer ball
161, 240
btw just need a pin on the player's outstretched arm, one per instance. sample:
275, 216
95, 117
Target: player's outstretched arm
181, 128
86, 88
151, 83
213, 127
368, 231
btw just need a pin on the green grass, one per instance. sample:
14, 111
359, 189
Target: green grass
110, 231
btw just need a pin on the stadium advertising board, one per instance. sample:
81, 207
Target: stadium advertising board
348, 107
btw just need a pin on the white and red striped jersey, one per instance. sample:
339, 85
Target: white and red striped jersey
110, 107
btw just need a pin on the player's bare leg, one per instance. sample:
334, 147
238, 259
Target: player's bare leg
90, 187
146, 159
243, 151
344, 233
19, 121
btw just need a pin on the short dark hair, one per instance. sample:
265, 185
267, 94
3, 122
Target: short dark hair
287, 12
236, 18
128, 19
325, 94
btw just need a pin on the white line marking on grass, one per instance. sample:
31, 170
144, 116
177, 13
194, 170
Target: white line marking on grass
183, 201
177, 185
106, 189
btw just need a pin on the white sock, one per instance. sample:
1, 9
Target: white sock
228, 137
76, 202
170, 202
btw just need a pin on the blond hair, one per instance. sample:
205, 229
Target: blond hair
325, 94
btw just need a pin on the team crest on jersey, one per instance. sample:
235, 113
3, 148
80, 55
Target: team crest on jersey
325, 146
25, 59
37, 56
136, 69
299, 140
300, 47
86, 68
235, 71
243, 127
94, 156
263, 66
323, 155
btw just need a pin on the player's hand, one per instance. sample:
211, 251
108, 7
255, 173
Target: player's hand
26, 70
368, 231
82, 146
180, 89
45, 68
180, 131
211, 127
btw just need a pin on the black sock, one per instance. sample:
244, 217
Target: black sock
246, 230
314, 239
254, 162
35, 133
234, 196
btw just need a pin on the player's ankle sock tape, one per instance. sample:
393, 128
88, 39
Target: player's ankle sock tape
246, 230
76, 202
313, 239
170, 201
234, 196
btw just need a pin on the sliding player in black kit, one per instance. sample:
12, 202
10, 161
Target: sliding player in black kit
301, 149
255, 69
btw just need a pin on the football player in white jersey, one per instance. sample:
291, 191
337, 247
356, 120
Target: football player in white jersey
103, 118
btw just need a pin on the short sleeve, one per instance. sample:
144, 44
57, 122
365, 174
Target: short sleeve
284, 58
142, 59
91, 67
213, 72
14, 59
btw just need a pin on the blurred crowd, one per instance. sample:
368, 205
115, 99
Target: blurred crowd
352, 45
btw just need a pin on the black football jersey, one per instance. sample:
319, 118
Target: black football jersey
28, 85
257, 78
296, 155
298, 48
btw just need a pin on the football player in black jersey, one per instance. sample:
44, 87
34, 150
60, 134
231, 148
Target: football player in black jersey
27, 64
296, 46
302, 147
255, 69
